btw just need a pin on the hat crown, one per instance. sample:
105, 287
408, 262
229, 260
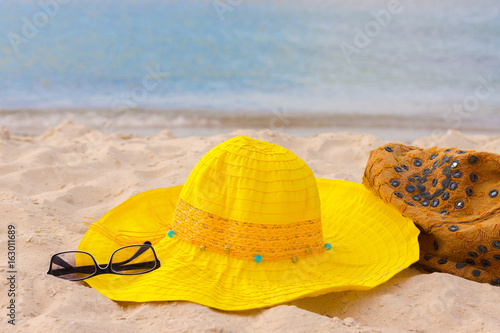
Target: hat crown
247, 197
253, 181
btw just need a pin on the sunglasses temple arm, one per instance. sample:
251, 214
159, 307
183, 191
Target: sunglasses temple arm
142, 249
140, 265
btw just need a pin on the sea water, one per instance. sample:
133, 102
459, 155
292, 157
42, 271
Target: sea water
212, 63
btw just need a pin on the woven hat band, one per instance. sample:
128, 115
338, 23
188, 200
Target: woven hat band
245, 240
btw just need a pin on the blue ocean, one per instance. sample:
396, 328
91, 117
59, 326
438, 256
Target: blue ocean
238, 63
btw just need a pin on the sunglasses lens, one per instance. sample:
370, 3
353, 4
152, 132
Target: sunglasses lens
72, 265
135, 259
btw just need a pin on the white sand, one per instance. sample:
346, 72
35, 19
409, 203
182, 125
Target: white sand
50, 183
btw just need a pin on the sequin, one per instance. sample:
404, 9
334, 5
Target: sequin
485, 263
435, 202
417, 162
445, 196
426, 171
453, 186
410, 188
308, 250
482, 249
416, 197
434, 182
257, 258
409, 203
459, 204
442, 261
395, 182
460, 266
425, 203
202, 247
433, 156
170, 233
399, 195
436, 245
470, 261
493, 193
389, 149
295, 259
456, 174
443, 212
496, 244
473, 177
473, 159
473, 254
460, 152
398, 169
454, 164
328, 246
227, 249
453, 227
496, 257
476, 273
435, 164
417, 177
404, 167
469, 191
448, 150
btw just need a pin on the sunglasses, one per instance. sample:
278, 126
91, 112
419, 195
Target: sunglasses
127, 260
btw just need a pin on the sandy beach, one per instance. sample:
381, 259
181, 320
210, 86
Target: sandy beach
51, 183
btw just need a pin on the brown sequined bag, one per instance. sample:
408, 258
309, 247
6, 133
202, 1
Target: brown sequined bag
452, 196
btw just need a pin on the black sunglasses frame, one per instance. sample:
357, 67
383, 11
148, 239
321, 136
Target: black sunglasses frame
108, 269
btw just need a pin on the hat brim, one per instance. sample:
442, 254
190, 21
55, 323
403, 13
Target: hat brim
371, 242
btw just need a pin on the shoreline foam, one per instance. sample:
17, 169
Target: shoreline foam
201, 122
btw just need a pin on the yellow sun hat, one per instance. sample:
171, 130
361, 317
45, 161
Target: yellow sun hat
252, 227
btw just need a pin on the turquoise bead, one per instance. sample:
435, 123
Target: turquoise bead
328, 246
170, 233
257, 258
